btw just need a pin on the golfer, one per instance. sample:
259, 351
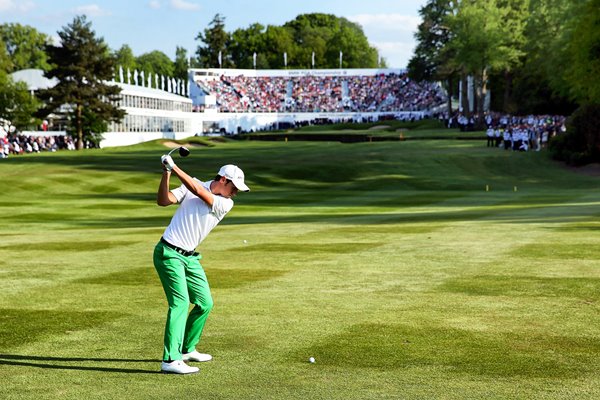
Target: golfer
202, 205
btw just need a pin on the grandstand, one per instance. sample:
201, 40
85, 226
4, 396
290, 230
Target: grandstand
234, 100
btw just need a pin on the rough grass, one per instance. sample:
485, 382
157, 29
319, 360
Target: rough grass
389, 263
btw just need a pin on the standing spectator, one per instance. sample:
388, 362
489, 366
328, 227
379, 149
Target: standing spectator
490, 136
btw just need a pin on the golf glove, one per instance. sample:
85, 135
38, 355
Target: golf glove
167, 161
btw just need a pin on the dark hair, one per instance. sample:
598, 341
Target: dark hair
218, 178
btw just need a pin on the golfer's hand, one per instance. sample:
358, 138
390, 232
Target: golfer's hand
167, 161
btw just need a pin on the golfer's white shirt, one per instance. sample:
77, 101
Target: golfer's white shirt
194, 219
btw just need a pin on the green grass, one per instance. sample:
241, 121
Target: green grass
399, 130
388, 262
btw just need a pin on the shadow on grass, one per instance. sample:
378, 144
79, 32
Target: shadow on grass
488, 214
48, 363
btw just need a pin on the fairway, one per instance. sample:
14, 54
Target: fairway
389, 263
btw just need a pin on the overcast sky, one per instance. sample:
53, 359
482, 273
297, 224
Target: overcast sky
147, 25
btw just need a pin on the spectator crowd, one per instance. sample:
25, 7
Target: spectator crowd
310, 93
19, 144
511, 132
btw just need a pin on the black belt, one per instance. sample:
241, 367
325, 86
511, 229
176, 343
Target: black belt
178, 249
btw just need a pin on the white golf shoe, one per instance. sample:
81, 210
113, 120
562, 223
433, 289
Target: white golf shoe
195, 356
177, 367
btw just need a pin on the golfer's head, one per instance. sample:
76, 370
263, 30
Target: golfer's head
233, 179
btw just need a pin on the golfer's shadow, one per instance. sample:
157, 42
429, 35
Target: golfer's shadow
56, 363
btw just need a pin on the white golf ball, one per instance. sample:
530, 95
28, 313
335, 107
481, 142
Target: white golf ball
311, 360
245, 241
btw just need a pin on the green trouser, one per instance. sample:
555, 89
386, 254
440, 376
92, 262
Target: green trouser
184, 282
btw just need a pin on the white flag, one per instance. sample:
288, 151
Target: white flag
285, 59
219, 59
313, 59
254, 59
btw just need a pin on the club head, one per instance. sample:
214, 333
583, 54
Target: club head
183, 151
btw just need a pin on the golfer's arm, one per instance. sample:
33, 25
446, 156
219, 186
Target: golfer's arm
164, 197
193, 186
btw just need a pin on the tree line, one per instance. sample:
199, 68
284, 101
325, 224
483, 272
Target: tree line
536, 56
323, 38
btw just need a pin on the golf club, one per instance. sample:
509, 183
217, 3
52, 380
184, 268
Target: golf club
183, 151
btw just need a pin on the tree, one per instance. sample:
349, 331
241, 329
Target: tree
278, 41
583, 51
25, 46
94, 124
580, 145
181, 64
481, 43
125, 59
216, 42
432, 59
6, 64
581, 39
348, 37
515, 23
245, 43
155, 62
17, 105
324, 35
82, 65
311, 33
538, 84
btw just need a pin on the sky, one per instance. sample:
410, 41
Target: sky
148, 25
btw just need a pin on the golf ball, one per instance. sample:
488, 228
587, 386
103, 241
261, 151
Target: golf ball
311, 360
245, 241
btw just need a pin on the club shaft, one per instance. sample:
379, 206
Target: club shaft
176, 148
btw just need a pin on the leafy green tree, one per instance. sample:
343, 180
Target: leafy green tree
94, 126
17, 105
538, 84
324, 35
581, 38
278, 41
348, 37
216, 41
583, 51
246, 42
516, 21
25, 46
82, 65
181, 64
580, 145
155, 62
481, 43
6, 64
311, 33
125, 59
433, 58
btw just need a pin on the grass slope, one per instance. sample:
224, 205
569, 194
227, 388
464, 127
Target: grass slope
388, 262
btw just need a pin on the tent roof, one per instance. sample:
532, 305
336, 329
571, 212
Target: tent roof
34, 78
